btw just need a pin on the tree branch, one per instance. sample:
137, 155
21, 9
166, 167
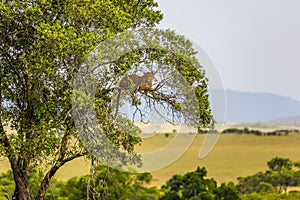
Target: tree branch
49, 175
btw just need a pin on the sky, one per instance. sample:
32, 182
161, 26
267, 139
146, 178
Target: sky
254, 44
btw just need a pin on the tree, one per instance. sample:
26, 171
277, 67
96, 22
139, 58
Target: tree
278, 163
249, 184
277, 179
281, 180
227, 191
42, 46
265, 188
194, 185
7, 186
280, 174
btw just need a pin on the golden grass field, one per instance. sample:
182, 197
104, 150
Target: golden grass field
233, 156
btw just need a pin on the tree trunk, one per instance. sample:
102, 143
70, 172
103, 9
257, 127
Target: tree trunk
21, 189
21, 180
21, 193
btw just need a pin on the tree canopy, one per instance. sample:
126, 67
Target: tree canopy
276, 179
194, 185
42, 47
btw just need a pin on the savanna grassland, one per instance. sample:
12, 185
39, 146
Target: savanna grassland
233, 156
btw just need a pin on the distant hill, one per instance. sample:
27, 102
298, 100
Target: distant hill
287, 120
259, 107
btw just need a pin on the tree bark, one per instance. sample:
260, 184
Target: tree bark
21, 192
22, 188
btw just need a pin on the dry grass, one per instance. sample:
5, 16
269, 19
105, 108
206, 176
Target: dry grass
233, 156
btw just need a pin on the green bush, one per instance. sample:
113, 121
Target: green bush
265, 188
194, 185
7, 185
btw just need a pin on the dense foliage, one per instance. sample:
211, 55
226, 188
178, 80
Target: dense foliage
114, 184
272, 182
42, 46
194, 185
109, 183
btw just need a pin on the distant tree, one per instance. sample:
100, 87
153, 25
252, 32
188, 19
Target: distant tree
273, 133
227, 192
280, 175
265, 188
278, 163
281, 180
249, 184
256, 132
194, 185
246, 130
232, 130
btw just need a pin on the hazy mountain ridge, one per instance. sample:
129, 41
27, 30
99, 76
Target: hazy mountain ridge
260, 107
247, 107
295, 120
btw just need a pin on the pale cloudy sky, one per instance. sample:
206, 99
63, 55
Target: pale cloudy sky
254, 44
